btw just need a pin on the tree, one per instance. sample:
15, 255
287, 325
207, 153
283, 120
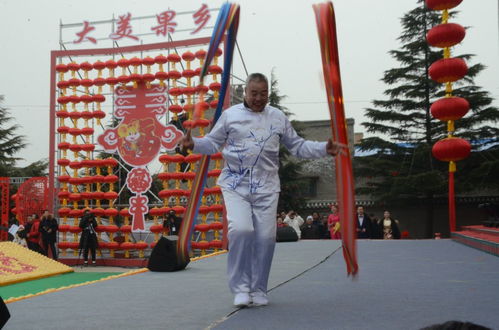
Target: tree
10, 142
289, 169
401, 167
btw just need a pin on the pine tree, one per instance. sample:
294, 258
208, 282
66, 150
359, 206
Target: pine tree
10, 142
401, 167
289, 169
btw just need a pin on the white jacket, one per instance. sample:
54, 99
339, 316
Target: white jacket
250, 142
295, 223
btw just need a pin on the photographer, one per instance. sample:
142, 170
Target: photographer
172, 223
48, 229
295, 221
88, 239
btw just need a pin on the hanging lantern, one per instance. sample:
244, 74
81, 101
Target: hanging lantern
449, 108
445, 35
451, 149
442, 4
448, 70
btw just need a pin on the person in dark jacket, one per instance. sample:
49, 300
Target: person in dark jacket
48, 229
88, 239
309, 229
364, 224
172, 223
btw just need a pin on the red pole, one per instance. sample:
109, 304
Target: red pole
452, 203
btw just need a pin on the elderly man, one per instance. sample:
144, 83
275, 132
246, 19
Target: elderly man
250, 134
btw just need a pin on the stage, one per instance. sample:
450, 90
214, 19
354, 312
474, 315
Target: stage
404, 284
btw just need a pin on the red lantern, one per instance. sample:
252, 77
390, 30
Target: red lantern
110, 178
442, 4
126, 229
110, 195
449, 108
63, 162
75, 131
64, 228
112, 228
445, 35
217, 225
216, 244
179, 209
111, 212
64, 178
451, 149
202, 245
124, 212
61, 68
214, 173
173, 57
141, 245
154, 212
203, 209
74, 229
174, 74
99, 65
126, 246
217, 208
216, 156
448, 70
63, 194
215, 86
97, 211
156, 229
64, 211
202, 227
175, 108
214, 69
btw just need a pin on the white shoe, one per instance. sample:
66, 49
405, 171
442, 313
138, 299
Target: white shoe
259, 299
242, 299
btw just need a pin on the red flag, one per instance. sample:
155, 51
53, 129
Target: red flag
326, 26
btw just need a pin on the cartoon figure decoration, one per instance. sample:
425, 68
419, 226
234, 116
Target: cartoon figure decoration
138, 139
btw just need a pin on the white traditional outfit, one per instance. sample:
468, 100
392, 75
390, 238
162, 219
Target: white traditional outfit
250, 186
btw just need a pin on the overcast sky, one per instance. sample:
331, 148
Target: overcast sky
278, 34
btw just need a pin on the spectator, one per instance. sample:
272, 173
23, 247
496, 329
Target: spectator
48, 229
309, 230
172, 223
33, 236
317, 221
20, 237
363, 224
295, 221
333, 223
390, 227
375, 227
280, 222
12, 221
88, 239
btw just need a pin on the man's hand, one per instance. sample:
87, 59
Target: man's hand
332, 148
186, 142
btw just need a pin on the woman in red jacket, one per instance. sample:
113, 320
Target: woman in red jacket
33, 236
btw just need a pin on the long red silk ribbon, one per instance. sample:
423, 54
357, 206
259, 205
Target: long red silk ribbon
326, 27
227, 22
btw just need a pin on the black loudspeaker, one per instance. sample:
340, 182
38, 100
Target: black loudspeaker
164, 256
286, 234
4, 313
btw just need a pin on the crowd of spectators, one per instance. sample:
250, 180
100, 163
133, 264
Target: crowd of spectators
327, 226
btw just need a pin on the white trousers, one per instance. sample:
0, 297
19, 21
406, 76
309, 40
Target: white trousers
252, 235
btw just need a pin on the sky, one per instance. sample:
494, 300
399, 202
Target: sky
278, 35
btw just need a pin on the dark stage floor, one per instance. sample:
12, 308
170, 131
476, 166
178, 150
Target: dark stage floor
406, 284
